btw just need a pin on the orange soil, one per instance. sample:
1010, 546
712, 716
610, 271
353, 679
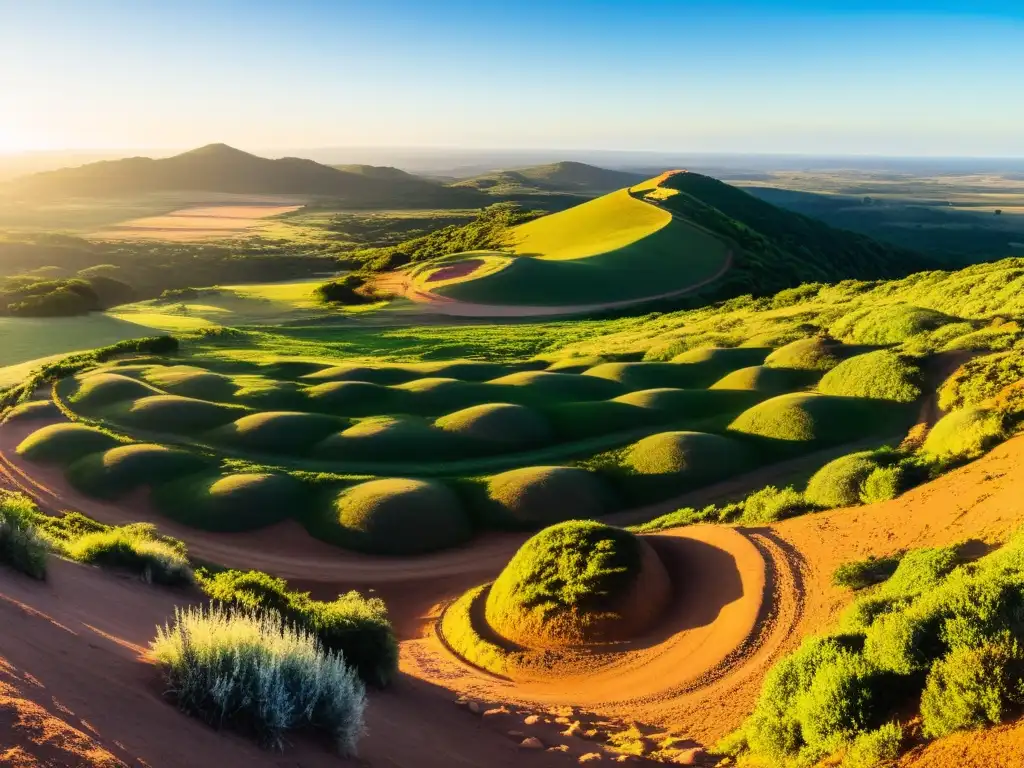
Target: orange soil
744, 597
454, 271
196, 223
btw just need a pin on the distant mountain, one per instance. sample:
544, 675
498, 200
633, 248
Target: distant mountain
220, 168
564, 177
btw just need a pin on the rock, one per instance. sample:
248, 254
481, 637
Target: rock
531, 742
496, 711
694, 756
475, 708
573, 729
532, 720
462, 701
591, 757
559, 748
563, 720
517, 735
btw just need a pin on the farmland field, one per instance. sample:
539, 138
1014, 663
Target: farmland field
198, 223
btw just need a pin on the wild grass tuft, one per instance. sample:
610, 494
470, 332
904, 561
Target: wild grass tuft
136, 548
21, 546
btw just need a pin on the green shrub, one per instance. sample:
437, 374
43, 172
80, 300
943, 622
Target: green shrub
772, 504
356, 398
347, 289
135, 548
694, 404
258, 674
882, 375
865, 573
384, 375
873, 747
190, 381
887, 324
981, 378
965, 434
814, 354
394, 439
839, 483
65, 443
21, 546
634, 376
356, 627
883, 484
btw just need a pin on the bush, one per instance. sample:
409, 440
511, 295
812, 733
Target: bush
882, 375
873, 747
887, 324
258, 674
883, 484
865, 573
981, 378
279, 432
21, 546
348, 289
353, 626
814, 354
772, 504
839, 483
965, 434
135, 548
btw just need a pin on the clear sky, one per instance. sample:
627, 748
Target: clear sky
903, 77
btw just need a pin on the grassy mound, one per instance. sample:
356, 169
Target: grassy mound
965, 434
700, 457
278, 432
883, 375
64, 443
577, 583
290, 369
395, 516
576, 364
544, 385
32, 409
819, 419
634, 376
432, 396
119, 470
392, 438
241, 502
498, 424
839, 483
384, 375
100, 389
269, 394
173, 414
724, 358
533, 496
355, 398
694, 403
190, 381
888, 324
579, 421
814, 354
464, 370
769, 381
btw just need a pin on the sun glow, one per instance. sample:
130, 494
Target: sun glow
13, 141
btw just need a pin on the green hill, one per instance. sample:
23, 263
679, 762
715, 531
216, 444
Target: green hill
565, 177
220, 168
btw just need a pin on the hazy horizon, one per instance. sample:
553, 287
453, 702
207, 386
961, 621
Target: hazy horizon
915, 78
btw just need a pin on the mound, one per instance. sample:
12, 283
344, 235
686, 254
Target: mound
190, 381
225, 503
498, 424
119, 470
819, 419
354, 398
354, 372
291, 369
544, 385
578, 583
578, 421
882, 374
32, 409
392, 439
724, 358
700, 457
965, 434
394, 517
464, 370
769, 381
694, 403
633, 376
533, 496
100, 389
839, 483
269, 394
173, 414
444, 395
65, 443
814, 354
888, 324
576, 364
278, 431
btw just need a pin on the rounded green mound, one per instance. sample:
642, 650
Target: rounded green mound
100, 389
576, 364
888, 324
119, 470
544, 385
883, 375
190, 381
819, 419
64, 443
384, 375
392, 439
965, 434
444, 395
634, 376
396, 516
839, 483
31, 410
498, 424
696, 456
814, 354
173, 414
770, 381
578, 583
695, 403
723, 358
227, 503
278, 431
290, 369
463, 370
533, 496
270, 394
354, 398
578, 421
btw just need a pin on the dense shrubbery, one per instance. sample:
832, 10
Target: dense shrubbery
348, 289
980, 379
965, 434
259, 674
136, 548
865, 573
888, 324
841, 482
353, 626
882, 375
21, 546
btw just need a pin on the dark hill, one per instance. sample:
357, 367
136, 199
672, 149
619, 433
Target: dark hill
220, 168
564, 177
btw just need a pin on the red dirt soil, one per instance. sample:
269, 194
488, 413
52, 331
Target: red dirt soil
744, 597
454, 271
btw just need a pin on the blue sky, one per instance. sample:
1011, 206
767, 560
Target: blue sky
903, 77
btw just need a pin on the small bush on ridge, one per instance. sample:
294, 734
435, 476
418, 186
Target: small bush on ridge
771, 504
21, 546
864, 573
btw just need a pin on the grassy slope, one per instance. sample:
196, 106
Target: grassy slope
614, 248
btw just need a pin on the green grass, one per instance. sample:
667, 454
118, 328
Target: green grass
24, 339
814, 354
394, 516
134, 548
692, 457
233, 502
356, 398
30, 410
537, 496
393, 439
65, 443
119, 470
965, 434
172, 414
635, 376
547, 386
278, 432
383, 375
96, 390
723, 359
576, 583
890, 324
882, 375
768, 381
674, 403
21, 546
191, 381
840, 482
504, 425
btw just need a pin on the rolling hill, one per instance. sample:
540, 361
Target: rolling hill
679, 233
564, 177
220, 168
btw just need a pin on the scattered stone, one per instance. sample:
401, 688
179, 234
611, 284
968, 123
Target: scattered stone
593, 734
475, 708
462, 701
694, 756
563, 720
531, 742
517, 735
627, 759
532, 719
591, 757
496, 711
573, 729
559, 748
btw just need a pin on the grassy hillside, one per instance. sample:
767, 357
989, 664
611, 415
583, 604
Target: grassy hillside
566, 177
219, 168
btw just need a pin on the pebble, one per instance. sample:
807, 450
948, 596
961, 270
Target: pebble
532, 719
531, 742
